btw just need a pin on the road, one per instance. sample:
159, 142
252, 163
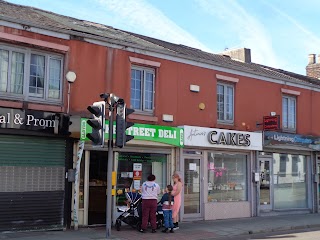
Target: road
303, 234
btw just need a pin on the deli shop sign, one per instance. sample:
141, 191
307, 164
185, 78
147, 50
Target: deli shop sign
221, 138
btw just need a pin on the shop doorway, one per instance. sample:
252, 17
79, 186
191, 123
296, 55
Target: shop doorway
265, 183
192, 188
97, 187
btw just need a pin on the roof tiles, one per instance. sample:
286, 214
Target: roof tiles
48, 20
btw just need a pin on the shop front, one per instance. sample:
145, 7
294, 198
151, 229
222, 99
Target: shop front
217, 167
153, 151
33, 157
289, 179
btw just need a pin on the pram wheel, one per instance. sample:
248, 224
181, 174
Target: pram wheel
118, 224
159, 224
138, 225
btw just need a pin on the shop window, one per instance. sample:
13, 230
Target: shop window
133, 170
30, 75
142, 89
290, 187
289, 113
295, 165
227, 177
283, 166
225, 102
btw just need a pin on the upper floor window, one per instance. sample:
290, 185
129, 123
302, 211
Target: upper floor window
289, 113
29, 74
142, 89
225, 102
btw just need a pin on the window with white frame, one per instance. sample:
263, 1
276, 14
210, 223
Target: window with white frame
289, 113
30, 75
225, 102
142, 89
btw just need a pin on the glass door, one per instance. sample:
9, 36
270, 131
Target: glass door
265, 184
192, 187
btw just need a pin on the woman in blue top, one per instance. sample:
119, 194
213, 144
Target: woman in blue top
167, 201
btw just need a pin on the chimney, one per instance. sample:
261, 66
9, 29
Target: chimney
312, 58
313, 67
240, 54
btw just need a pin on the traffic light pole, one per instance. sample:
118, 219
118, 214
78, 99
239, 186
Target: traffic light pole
98, 110
109, 173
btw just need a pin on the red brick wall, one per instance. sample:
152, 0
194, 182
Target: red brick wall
100, 69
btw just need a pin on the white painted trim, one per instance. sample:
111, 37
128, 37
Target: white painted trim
32, 41
227, 78
35, 30
291, 92
144, 62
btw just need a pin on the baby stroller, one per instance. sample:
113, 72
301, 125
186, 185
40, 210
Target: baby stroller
132, 215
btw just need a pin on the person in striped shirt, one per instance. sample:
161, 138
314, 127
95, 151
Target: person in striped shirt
167, 201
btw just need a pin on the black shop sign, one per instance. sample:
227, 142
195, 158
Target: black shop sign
47, 122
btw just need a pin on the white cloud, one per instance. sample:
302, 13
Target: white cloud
310, 41
246, 27
141, 17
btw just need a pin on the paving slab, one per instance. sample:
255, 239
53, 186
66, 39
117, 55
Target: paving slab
197, 230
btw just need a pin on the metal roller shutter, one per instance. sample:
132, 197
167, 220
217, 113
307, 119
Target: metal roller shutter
32, 171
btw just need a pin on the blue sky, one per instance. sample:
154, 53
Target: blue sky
280, 34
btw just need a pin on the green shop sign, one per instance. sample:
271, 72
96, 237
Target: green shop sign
146, 132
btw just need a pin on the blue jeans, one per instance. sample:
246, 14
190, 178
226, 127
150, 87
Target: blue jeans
167, 216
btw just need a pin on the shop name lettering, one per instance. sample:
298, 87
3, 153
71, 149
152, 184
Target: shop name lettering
28, 120
293, 139
151, 132
233, 139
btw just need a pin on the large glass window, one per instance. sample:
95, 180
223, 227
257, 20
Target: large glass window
225, 102
289, 113
4, 66
227, 177
30, 75
37, 68
142, 89
290, 189
133, 170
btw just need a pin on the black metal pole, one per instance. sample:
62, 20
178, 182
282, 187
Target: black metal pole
109, 174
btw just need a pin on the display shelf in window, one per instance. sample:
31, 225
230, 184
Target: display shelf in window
227, 177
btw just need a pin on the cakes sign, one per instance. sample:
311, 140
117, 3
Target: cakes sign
230, 138
221, 138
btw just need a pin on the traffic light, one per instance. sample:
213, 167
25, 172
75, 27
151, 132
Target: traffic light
98, 109
122, 124
64, 123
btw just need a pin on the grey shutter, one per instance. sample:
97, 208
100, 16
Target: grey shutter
32, 182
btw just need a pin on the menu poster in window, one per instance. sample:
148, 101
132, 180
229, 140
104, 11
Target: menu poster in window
137, 175
192, 166
127, 174
137, 167
136, 184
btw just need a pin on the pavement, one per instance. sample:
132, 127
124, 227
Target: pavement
197, 230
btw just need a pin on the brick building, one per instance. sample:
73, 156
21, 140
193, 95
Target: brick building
195, 112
